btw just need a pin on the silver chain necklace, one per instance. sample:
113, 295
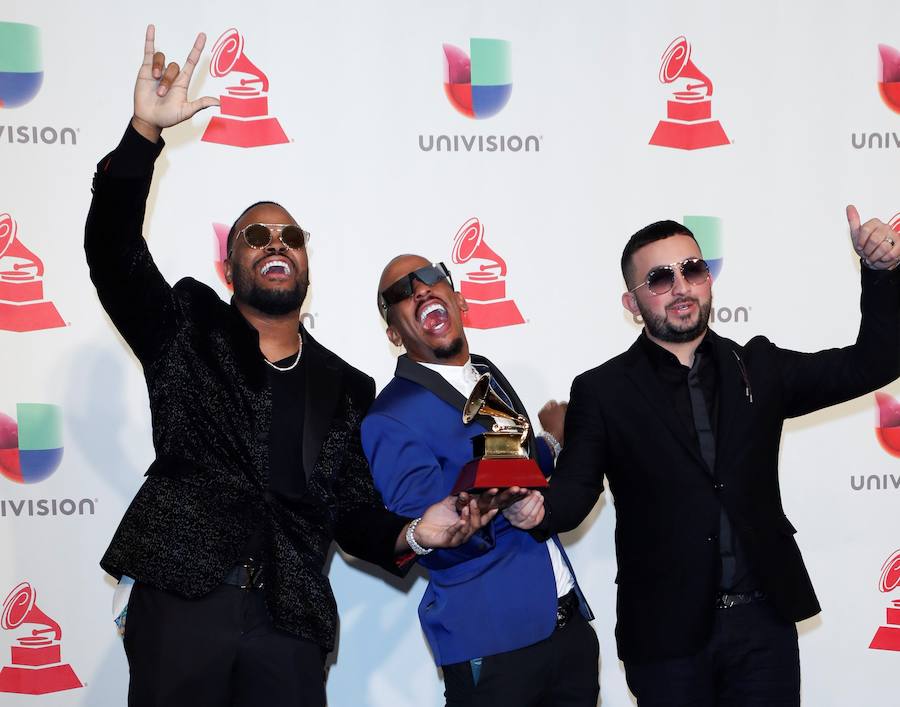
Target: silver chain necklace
296, 360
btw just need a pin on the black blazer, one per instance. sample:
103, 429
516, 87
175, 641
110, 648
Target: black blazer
620, 424
211, 409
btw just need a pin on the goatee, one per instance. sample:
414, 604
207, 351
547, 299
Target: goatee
452, 349
661, 328
272, 302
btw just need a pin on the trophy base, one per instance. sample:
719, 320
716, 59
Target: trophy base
38, 681
490, 315
244, 133
887, 638
29, 316
483, 474
689, 136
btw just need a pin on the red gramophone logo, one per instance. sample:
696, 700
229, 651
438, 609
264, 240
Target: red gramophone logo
690, 125
887, 637
36, 667
244, 119
484, 286
22, 303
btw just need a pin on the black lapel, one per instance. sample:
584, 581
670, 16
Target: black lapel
323, 389
513, 396
731, 386
640, 371
412, 371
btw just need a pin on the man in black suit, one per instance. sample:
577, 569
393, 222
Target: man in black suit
258, 458
686, 426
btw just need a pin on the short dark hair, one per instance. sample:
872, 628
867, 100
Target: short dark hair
232, 234
649, 234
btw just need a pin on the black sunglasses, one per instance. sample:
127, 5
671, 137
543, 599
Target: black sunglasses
260, 235
661, 279
404, 287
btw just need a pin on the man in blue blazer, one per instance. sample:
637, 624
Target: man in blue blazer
503, 613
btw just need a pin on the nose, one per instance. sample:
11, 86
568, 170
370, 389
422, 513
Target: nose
681, 285
420, 289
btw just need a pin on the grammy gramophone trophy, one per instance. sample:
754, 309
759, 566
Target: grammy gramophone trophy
501, 456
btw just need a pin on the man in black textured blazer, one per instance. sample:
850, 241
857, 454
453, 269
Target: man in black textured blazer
686, 426
258, 458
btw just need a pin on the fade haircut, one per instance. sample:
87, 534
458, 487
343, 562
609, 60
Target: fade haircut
649, 234
232, 234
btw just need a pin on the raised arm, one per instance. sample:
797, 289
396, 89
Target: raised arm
812, 381
130, 287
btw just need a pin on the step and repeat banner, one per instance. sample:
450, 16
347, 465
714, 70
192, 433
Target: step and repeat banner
519, 142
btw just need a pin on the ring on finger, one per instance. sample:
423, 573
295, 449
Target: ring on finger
890, 241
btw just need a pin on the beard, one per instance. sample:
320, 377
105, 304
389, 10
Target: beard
450, 350
272, 302
661, 328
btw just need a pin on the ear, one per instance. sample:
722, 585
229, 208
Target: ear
461, 302
629, 301
227, 266
394, 336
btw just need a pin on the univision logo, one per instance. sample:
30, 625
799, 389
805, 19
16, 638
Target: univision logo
31, 447
21, 71
479, 85
889, 90
21, 77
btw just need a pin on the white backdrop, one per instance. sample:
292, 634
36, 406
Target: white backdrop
356, 87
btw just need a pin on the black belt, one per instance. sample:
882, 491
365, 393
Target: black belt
247, 575
566, 608
727, 601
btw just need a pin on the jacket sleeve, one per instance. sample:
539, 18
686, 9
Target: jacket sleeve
811, 381
131, 289
577, 482
364, 528
410, 479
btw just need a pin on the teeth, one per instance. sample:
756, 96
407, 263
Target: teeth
276, 264
428, 309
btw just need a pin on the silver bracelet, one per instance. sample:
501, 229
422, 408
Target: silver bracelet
553, 442
411, 539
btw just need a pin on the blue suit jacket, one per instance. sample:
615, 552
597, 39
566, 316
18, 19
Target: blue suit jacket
495, 593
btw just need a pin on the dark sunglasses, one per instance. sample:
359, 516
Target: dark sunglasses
661, 279
403, 288
260, 235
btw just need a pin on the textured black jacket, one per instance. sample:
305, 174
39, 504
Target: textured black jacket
620, 424
211, 408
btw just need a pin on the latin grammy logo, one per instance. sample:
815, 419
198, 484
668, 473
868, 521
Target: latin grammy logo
244, 119
22, 303
690, 125
483, 287
37, 667
887, 637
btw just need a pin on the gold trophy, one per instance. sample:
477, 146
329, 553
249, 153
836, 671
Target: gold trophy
501, 456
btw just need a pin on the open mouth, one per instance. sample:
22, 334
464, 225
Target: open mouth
276, 269
682, 307
434, 318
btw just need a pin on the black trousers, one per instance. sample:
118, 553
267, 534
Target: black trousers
217, 651
751, 660
560, 671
